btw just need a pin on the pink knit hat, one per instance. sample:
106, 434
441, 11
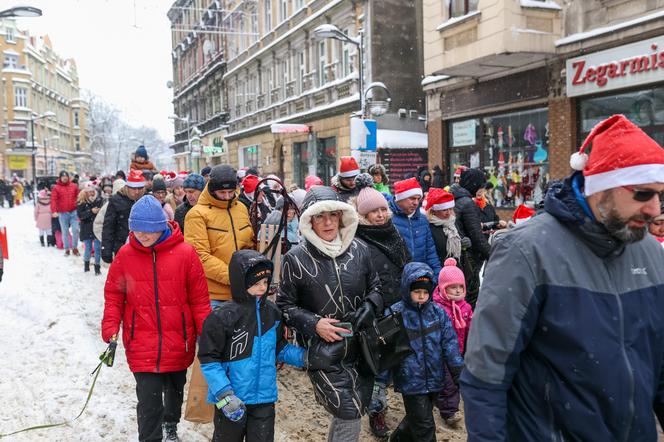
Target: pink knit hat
369, 199
450, 274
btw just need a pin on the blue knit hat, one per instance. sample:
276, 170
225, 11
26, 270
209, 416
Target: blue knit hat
147, 216
141, 151
194, 181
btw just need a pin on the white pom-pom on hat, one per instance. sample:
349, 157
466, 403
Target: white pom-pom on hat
578, 160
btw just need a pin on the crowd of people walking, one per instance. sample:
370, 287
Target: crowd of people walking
519, 318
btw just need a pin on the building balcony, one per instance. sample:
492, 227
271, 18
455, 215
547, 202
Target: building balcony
502, 35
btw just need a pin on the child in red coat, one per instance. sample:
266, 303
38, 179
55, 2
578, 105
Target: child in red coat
451, 296
157, 289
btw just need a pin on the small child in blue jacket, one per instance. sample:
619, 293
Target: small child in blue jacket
420, 376
241, 343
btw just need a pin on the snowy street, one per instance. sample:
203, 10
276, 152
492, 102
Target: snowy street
49, 329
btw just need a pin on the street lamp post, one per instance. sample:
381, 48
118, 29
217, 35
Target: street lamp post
33, 118
331, 31
189, 130
46, 152
21, 11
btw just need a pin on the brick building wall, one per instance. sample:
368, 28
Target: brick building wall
562, 135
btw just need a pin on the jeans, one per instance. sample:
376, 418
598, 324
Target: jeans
214, 303
256, 426
88, 250
160, 398
67, 220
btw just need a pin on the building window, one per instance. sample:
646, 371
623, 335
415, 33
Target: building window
462, 7
284, 77
301, 71
20, 97
512, 149
268, 16
10, 35
11, 61
326, 158
304, 162
322, 61
283, 10
644, 107
346, 66
75, 118
299, 4
249, 156
254, 26
78, 142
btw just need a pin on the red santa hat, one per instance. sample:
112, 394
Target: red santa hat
348, 167
183, 174
407, 188
135, 179
621, 154
439, 199
522, 213
249, 183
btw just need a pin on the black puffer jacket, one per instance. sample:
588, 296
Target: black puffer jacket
315, 285
181, 212
116, 225
469, 222
87, 218
389, 255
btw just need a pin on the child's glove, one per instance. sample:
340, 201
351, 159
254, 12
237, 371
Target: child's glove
455, 371
232, 407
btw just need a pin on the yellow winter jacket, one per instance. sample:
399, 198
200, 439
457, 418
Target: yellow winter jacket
216, 229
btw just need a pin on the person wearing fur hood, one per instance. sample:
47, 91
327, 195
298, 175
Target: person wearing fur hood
43, 216
87, 208
327, 279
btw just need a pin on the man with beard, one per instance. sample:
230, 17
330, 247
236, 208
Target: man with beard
566, 342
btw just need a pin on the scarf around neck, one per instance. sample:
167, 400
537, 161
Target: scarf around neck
441, 298
386, 238
451, 232
330, 248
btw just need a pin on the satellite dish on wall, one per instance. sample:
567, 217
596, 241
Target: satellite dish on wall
169, 84
208, 47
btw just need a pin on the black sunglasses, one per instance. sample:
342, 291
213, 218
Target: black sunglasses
644, 195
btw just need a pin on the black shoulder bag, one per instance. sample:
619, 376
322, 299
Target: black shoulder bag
385, 344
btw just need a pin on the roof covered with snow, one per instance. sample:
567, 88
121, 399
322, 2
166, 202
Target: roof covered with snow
546, 4
401, 139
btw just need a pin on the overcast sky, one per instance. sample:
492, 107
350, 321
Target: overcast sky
122, 50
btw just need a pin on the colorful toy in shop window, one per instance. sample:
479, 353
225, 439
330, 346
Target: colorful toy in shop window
530, 134
510, 137
540, 154
501, 142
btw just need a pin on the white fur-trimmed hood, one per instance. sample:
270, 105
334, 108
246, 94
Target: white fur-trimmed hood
347, 227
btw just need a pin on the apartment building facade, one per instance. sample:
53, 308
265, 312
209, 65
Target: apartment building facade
513, 86
35, 81
289, 95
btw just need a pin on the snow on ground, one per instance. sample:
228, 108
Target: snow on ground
50, 318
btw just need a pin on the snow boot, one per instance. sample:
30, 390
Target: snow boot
86, 266
67, 252
50, 241
454, 420
97, 269
75, 252
378, 426
170, 430
41, 240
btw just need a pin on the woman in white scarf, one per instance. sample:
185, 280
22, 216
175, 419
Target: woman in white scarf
440, 212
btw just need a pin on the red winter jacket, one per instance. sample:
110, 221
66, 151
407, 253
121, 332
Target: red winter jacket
159, 325
63, 197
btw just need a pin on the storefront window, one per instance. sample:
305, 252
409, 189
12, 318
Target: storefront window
512, 149
644, 108
326, 158
249, 156
303, 159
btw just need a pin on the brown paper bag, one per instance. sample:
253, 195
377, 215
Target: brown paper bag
197, 408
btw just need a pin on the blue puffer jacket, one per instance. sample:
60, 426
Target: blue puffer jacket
243, 339
416, 234
432, 338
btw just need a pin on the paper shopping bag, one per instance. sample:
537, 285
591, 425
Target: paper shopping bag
197, 408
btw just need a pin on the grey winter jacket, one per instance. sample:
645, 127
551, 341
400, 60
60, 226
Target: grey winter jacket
567, 338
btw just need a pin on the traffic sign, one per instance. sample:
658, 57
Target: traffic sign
363, 134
